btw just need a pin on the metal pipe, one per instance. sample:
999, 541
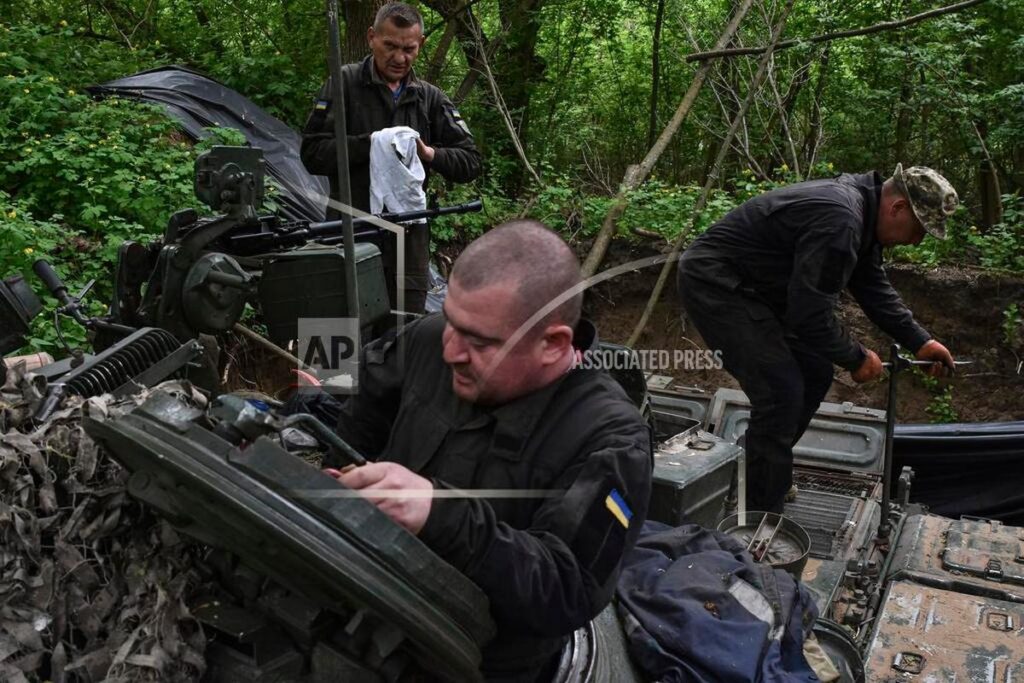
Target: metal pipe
896, 363
341, 146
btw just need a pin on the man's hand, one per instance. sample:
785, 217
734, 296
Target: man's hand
425, 152
870, 368
934, 351
384, 483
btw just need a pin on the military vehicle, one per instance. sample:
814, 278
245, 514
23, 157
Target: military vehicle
317, 586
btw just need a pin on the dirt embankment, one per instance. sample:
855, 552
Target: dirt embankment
962, 308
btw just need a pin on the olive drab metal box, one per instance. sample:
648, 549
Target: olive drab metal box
310, 283
693, 473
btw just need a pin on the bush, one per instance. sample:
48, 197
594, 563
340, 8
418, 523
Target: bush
79, 176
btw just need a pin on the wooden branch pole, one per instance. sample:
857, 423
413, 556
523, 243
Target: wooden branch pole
702, 200
636, 174
825, 37
499, 102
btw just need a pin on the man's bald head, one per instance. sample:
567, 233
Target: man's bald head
533, 261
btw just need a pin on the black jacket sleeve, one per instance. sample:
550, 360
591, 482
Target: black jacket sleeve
560, 572
318, 152
455, 154
871, 288
368, 414
824, 258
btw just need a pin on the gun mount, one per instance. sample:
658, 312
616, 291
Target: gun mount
198, 278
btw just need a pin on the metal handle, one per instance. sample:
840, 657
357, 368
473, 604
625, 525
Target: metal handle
45, 272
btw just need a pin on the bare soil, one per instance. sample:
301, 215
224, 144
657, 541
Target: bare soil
962, 308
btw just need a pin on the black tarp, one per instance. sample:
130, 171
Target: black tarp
199, 102
974, 469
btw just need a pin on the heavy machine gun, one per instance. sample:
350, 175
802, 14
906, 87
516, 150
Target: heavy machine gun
198, 278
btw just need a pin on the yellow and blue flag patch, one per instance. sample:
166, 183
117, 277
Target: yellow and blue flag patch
617, 506
321, 105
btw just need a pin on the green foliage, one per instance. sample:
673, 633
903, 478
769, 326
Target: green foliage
941, 409
999, 248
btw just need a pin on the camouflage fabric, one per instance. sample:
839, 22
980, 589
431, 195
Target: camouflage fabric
931, 196
93, 586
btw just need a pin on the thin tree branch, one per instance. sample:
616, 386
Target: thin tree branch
499, 102
867, 30
782, 119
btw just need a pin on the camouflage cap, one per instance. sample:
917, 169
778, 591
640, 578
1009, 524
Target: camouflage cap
931, 197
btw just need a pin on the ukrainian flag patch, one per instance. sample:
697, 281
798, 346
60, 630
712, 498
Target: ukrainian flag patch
321, 105
617, 506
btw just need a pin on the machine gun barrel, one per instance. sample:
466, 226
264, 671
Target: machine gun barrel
330, 232
329, 228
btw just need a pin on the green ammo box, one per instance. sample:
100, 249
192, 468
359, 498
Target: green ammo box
309, 282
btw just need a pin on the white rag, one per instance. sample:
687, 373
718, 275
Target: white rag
396, 172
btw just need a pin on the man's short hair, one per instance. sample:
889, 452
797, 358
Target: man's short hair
399, 13
533, 259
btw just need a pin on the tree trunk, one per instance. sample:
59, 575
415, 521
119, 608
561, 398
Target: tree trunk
988, 181
359, 16
437, 59
810, 149
655, 72
518, 65
904, 112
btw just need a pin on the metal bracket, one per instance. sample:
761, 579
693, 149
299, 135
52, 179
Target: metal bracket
908, 662
999, 621
994, 568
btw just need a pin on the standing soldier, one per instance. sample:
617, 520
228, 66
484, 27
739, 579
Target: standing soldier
382, 91
762, 285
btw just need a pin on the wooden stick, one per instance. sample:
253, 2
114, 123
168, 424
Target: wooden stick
825, 37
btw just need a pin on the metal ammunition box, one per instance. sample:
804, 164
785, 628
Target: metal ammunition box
841, 436
675, 411
928, 634
310, 283
693, 472
969, 556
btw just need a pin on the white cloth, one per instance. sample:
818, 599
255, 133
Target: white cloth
396, 172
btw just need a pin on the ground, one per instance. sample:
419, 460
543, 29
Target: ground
963, 308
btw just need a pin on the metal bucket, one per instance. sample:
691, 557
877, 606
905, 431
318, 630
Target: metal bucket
770, 538
842, 649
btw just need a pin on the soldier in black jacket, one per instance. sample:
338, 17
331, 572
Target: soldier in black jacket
550, 461
762, 285
381, 92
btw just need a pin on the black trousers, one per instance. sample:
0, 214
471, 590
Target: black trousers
417, 257
784, 379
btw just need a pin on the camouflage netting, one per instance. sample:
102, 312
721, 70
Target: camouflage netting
92, 584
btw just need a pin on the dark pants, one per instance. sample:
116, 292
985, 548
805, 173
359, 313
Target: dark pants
417, 257
784, 379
